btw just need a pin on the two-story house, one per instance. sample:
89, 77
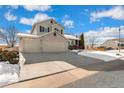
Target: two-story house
45, 36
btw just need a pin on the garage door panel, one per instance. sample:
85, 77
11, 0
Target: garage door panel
32, 45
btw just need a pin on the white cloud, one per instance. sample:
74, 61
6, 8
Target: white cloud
9, 16
103, 34
36, 18
37, 7
27, 31
114, 13
14, 6
68, 22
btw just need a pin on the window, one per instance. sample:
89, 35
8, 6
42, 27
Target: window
56, 29
51, 22
41, 29
122, 45
61, 31
54, 34
72, 42
48, 29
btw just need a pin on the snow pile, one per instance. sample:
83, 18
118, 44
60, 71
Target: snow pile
106, 53
102, 55
8, 73
97, 56
112, 53
76, 51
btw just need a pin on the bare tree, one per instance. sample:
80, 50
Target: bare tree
9, 35
92, 41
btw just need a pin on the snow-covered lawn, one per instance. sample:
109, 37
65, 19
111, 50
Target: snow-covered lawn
103, 55
8, 73
109, 53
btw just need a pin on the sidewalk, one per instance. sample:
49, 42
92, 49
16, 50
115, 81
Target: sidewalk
54, 81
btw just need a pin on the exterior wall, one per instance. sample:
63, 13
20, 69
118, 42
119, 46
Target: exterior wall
59, 28
35, 31
53, 43
45, 25
21, 45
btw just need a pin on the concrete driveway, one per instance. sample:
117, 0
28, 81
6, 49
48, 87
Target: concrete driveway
32, 71
69, 57
109, 74
81, 71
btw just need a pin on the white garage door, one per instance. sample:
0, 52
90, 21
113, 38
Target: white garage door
32, 45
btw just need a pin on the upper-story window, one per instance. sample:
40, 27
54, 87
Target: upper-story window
48, 29
61, 31
41, 29
51, 21
54, 33
56, 29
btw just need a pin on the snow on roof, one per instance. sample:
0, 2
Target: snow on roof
71, 37
36, 36
26, 35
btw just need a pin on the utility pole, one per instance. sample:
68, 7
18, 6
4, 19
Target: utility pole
119, 39
119, 45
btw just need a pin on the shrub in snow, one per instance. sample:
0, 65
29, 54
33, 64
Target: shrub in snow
11, 56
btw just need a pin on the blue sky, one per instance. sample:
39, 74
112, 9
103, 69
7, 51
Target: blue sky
76, 19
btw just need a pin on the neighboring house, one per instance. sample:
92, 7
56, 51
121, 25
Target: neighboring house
72, 40
113, 43
46, 36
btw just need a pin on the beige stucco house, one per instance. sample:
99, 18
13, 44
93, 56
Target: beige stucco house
113, 43
45, 36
